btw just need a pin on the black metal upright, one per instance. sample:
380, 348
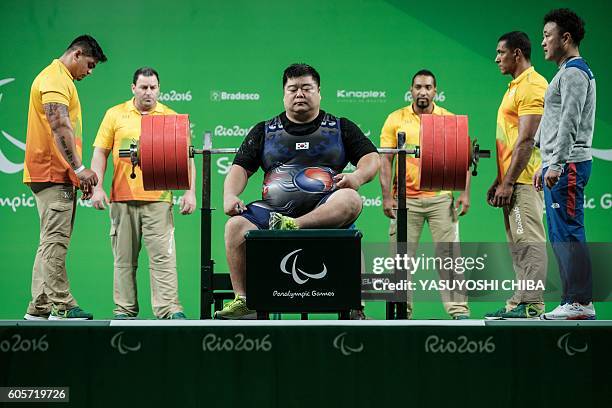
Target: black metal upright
206, 262
397, 310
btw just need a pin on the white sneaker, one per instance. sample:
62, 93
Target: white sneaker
571, 311
29, 316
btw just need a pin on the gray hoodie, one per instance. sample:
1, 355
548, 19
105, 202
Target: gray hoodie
565, 133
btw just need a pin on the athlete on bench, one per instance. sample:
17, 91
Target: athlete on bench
303, 152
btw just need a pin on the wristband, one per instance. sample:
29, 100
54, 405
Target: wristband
80, 169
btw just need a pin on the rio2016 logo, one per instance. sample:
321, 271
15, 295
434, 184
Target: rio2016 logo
7, 166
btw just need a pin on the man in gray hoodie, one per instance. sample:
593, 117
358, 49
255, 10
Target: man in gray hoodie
564, 137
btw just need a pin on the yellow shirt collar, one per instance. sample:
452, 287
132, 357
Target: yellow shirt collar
436, 110
522, 76
158, 107
63, 68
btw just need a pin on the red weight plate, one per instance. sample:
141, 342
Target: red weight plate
427, 152
450, 151
437, 168
169, 152
158, 152
183, 138
146, 152
463, 152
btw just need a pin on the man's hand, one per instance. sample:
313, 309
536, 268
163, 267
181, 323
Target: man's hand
503, 195
232, 205
88, 179
537, 179
347, 180
464, 202
491, 192
551, 177
187, 203
99, 199
389, 206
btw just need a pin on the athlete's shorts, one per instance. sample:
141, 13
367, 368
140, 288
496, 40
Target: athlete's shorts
258, 213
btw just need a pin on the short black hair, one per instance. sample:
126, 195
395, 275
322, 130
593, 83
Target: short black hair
89, 46
299, 70
517, 40
424, 72
145, 71
568, 22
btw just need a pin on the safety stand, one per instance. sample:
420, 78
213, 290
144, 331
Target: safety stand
398, 310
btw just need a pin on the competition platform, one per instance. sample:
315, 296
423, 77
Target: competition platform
311, 363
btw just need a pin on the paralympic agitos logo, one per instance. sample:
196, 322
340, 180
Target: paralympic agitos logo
299, 276
7, 166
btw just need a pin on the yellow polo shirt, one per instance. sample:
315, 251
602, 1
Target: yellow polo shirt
120, 128
43, 161
406, 120
525, 96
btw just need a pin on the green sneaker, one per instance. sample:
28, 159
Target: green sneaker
76, 313
461, 317
236, 309
123, 316
524, 311
279, 221
496, 315
178, 316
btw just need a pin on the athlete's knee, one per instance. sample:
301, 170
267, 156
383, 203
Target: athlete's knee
353, 201
235, 228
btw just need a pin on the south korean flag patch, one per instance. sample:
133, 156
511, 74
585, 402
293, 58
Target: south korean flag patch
302, 146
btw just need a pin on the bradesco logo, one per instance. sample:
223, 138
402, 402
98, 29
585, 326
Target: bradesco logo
299, 276
7, 166
350, 95
222, 96
461, 345
239, 342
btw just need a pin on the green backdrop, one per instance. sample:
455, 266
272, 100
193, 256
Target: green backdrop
203, 49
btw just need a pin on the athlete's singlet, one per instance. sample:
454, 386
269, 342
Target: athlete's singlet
299, 170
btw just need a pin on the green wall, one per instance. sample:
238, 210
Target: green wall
204, 48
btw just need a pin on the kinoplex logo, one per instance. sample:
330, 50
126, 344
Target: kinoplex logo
340, 343
299, 276
224, 96
349, 95
118, 344
232, 130
7, 166
564, 344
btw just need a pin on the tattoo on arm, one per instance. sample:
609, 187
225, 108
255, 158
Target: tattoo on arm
59, 120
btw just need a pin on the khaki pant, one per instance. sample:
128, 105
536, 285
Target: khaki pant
527, 241
56, 204
441, 216
132, 222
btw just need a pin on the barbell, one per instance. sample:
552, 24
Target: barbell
444, 150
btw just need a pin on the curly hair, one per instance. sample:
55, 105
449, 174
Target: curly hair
568, 22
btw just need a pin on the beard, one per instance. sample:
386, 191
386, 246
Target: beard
422, 103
